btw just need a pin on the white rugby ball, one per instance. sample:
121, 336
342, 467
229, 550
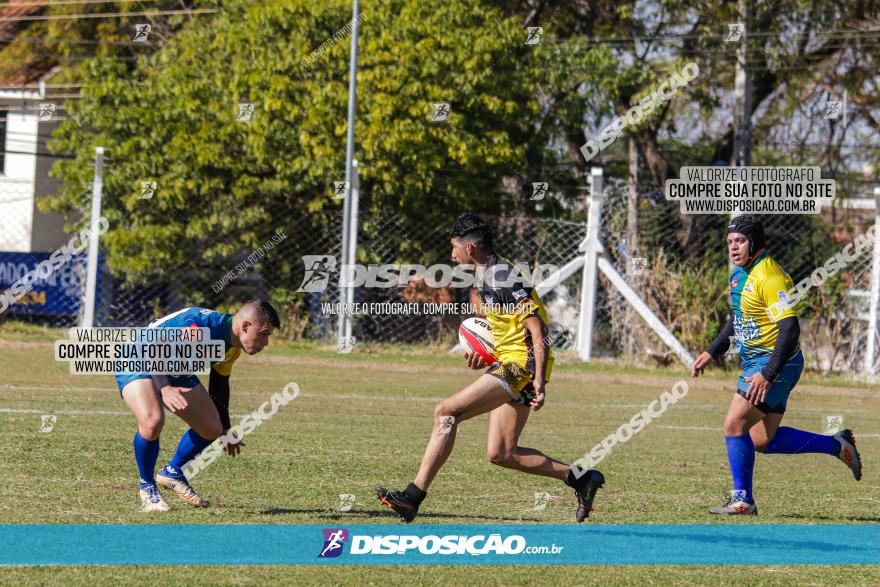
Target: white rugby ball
475, 335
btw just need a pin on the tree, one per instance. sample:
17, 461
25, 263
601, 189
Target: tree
63, 35
224, 185
801, 55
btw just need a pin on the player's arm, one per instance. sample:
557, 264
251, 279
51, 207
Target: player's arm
786, 343
538, 331
218, 389
718, 347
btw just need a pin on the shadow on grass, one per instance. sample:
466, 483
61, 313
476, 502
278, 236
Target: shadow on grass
385, 514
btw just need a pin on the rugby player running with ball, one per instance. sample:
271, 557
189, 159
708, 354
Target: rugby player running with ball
508, 391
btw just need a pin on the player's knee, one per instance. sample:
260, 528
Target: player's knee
762, 441
211, 431
150, 427
735, 427
444, 409
499, 456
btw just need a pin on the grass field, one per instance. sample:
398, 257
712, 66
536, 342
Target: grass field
364, 418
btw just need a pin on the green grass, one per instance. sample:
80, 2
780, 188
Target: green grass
364, 418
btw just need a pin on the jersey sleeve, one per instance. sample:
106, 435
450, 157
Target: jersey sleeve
218, 389
722, 341
220, 327
774, 294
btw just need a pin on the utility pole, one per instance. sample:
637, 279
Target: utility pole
343, 328
742, 140
742, 137
88, 314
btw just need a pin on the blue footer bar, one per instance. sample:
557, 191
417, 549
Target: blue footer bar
691, 544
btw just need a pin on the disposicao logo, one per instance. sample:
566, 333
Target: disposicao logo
432, 544
334, 539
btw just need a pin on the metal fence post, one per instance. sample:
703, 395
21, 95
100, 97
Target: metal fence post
352, 238
88, 315
871, 351
592, 246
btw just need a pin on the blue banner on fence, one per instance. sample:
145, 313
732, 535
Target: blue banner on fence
716, 544
58, 293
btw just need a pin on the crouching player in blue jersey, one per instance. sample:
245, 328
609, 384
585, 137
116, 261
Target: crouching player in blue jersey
206, 412
765, 327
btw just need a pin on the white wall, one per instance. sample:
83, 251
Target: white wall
47, 228
17, 181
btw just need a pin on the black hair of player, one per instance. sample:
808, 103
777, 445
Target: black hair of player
471, 226
264, 311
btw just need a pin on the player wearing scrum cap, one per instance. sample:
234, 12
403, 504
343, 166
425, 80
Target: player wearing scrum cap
765, 327
508, 391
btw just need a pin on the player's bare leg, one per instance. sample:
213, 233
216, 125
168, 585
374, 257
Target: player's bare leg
506, 422
762, 432
483, 395
201, 414
144, 401
741, 416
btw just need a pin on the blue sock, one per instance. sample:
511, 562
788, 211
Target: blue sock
741, 455
146, 453
191, 444
791, 441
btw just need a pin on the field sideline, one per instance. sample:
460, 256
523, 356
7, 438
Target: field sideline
364, 418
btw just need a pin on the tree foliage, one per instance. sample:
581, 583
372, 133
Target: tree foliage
519, 113
224, 185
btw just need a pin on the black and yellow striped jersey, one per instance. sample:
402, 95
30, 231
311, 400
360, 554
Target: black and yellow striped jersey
508, 299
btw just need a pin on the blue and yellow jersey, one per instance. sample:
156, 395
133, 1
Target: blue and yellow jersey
219, 324
759, 298
508, 300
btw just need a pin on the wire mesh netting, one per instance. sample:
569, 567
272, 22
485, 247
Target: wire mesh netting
676, 263
532, 242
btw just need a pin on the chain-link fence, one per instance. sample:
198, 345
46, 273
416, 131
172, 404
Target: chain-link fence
523, 240
280, 266
677, 264
16, 202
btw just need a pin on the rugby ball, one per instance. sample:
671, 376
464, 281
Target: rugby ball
475, 335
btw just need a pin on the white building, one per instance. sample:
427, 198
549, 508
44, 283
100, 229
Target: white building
24, 170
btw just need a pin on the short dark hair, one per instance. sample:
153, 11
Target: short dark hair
262, 311
473, 227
